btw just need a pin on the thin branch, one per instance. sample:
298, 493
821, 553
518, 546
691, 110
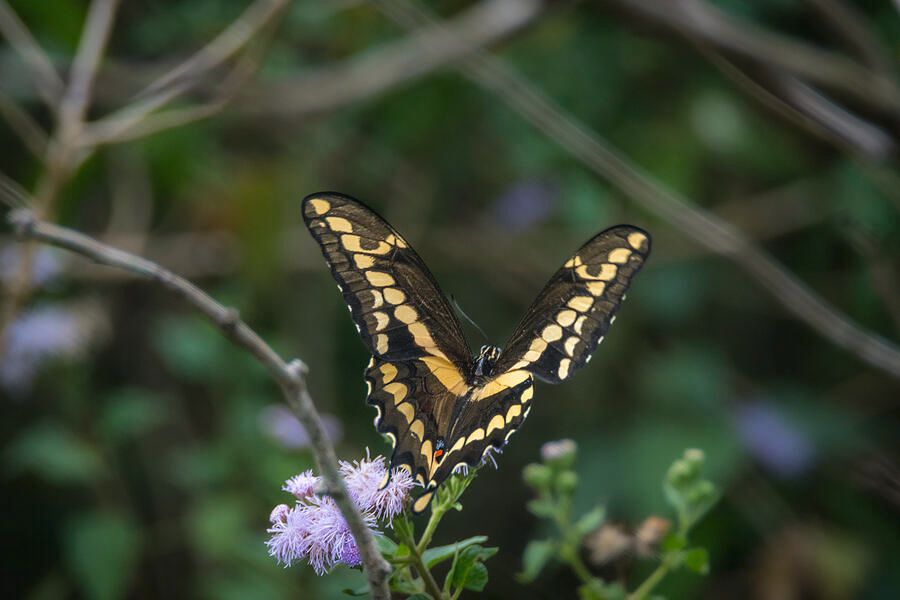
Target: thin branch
140, 118
92, 43
422, 51
291, 377
222, 47
820, 118
47, 81
850, 24
31, 134
698, 20
496, 76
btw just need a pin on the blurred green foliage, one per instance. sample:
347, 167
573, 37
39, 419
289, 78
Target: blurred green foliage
142, 469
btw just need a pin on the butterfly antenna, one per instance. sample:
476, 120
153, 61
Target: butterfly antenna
468, 318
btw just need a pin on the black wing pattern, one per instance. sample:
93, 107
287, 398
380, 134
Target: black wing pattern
438, 409
573, 312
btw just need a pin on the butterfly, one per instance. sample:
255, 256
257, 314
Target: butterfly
442, 408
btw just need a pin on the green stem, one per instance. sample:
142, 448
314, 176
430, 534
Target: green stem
437, 513
652, 581
431, 585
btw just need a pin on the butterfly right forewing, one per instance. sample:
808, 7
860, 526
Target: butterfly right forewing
573, 312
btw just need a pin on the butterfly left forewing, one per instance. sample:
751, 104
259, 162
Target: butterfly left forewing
573, 312
397, 307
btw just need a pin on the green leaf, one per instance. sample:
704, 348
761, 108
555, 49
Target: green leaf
360, 591
400, 583
673, 543
439, 554
596, 589
697, 560
102, 551
536, 556
467, 571
590, 521
56, 454
403, 527
386, 546
419, 596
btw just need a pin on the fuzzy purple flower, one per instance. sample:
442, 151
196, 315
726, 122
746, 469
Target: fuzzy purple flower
302, 486
315, 530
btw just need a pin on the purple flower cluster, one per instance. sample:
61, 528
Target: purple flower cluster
314, 528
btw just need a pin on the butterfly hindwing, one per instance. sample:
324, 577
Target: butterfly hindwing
416, 401
570, 316
398, 308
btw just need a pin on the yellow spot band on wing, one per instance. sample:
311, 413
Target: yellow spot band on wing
581, 303
527, 395
379, 278
319, 206
501, 383
497, 422
377, 298
476, 435
394, 296
363, 261
551, 333
406, 314
514, 411
637, 240
339, 224
422, 501
566, 317
381, 320
352, 243
564, 368
397, 390
407, 410
446, 373
388, 372
619, 256
418, 429
607, 272
596, 287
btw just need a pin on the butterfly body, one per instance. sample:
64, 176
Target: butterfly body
442, 408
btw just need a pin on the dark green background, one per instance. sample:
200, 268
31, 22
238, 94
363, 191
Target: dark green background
140, 469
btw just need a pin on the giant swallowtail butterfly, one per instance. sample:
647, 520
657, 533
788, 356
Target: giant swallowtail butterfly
440, 407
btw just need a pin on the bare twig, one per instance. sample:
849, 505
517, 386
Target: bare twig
819, 116
222, 47
699, 20
720, 237
291, 377
47, 81
392, 65
850, 24
140, 118
31, 134
93, 41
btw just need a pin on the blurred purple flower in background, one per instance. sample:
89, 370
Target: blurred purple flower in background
776, 443
279, 423
524, 204
45, 264
44, 333
314, 528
